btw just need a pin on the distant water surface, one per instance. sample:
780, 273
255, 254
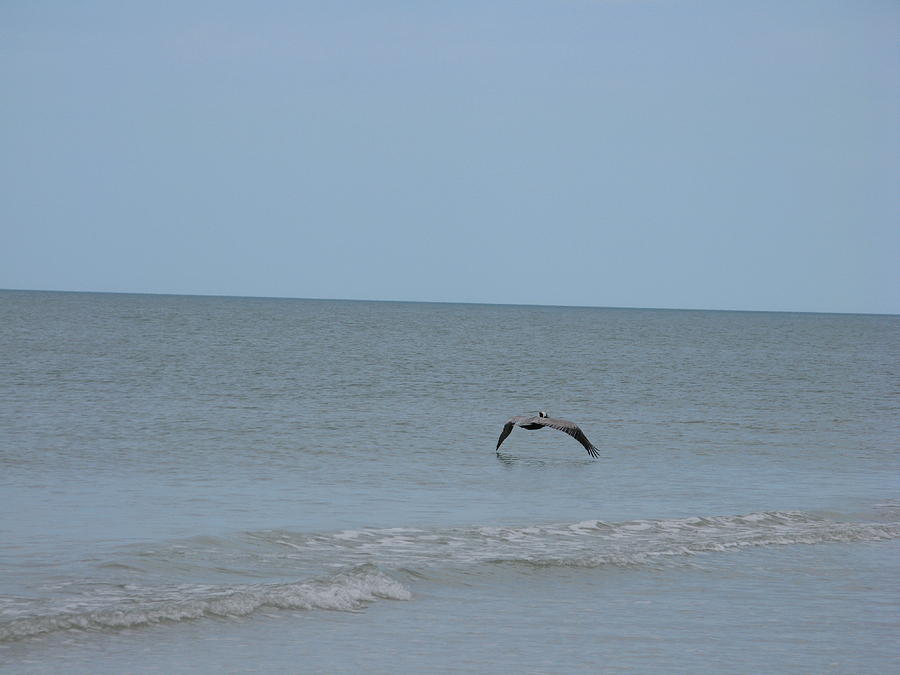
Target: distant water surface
240, 484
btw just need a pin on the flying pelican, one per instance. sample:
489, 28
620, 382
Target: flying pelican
541, 421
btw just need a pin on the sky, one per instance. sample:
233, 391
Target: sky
663, 153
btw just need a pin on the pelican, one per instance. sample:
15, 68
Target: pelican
539, 422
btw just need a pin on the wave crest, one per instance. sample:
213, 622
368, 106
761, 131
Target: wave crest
410, 552
347, 591
629, 542
649, 542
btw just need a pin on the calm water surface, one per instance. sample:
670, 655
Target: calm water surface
208, 484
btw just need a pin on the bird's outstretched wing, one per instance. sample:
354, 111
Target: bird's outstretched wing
570, 428
507, 430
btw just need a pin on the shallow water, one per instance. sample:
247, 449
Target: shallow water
291, 485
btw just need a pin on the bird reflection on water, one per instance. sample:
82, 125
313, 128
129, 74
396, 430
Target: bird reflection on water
513, 461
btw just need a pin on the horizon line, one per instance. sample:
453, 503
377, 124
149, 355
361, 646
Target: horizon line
445, 302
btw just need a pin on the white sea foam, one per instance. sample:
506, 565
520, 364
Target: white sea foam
638, 541
366, 552
347, 591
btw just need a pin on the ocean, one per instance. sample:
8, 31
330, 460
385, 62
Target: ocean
213, 484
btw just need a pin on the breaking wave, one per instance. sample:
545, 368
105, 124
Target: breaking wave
347, 591
647, 542
133, 599
586, 543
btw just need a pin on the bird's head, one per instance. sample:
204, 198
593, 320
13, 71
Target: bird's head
541, 413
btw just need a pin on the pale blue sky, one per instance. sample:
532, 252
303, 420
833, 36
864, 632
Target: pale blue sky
659, 153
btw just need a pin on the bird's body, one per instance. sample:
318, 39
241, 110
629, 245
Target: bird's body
540, 421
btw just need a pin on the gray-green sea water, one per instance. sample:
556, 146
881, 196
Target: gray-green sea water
204, 484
